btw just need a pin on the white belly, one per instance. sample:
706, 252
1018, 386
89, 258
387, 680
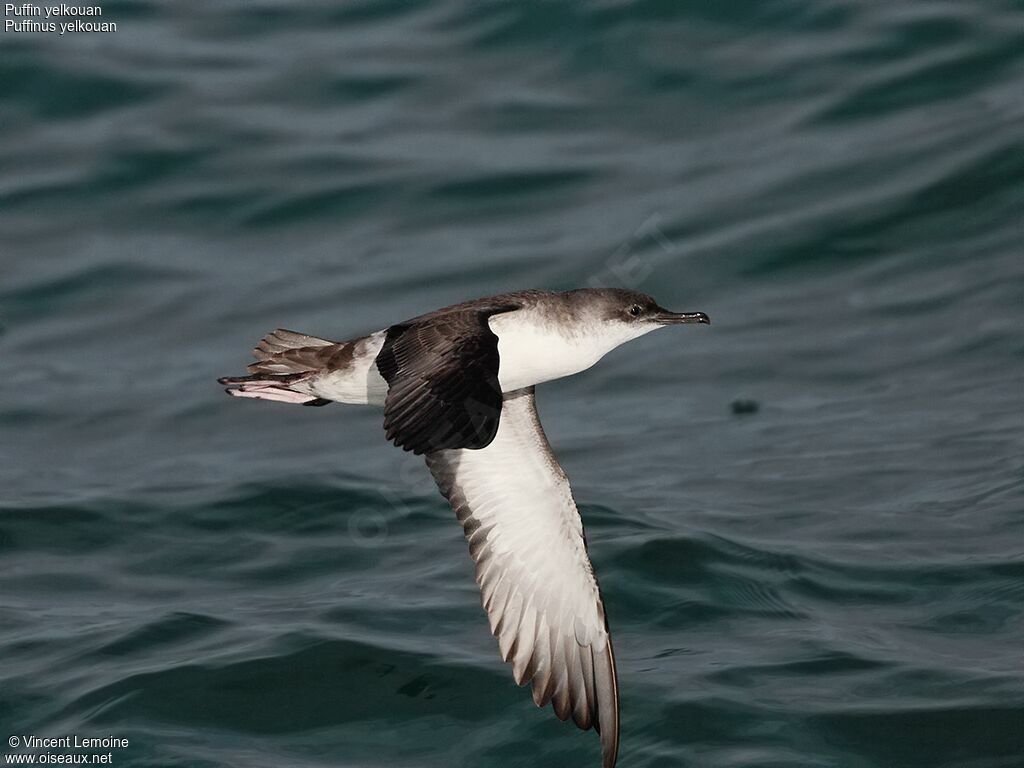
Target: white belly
531, 353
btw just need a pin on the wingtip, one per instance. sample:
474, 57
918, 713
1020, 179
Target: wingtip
609, 752
608, 709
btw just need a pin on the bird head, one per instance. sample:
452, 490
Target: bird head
623, 315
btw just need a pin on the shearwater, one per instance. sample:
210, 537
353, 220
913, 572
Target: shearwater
457, 386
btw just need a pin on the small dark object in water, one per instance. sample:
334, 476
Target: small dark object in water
743, 407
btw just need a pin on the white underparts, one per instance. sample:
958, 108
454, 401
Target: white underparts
532, 349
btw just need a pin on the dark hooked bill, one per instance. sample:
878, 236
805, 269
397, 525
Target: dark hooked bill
679, 318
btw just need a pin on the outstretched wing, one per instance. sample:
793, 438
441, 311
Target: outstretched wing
442, 375
537, 584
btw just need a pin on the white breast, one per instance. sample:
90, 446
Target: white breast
532, 351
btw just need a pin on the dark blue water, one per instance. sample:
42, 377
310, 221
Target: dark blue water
834, 577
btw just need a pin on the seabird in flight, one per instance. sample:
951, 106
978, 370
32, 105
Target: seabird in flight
457, 386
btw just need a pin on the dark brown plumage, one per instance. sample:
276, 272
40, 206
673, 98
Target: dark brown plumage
442, 375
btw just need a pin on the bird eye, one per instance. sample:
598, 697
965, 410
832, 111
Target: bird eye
635, 310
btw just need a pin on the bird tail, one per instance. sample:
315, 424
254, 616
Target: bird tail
287, 351
276, 387
284, 360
